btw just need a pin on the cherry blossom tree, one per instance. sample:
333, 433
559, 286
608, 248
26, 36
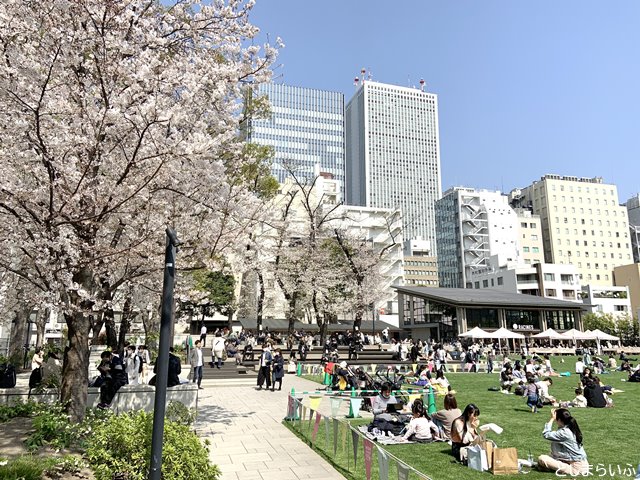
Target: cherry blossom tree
118, 118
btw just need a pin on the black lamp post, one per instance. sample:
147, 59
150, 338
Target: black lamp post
162, 370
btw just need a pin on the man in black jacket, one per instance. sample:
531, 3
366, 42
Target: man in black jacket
112, 369
594, 395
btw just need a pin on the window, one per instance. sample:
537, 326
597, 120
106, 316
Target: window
485, 283
535, 250
534, 238
550, 292
476, 285
523, 224
525, 249
532, 225
549, 277
500, 281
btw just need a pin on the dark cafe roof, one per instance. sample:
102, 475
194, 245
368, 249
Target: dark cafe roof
489, 298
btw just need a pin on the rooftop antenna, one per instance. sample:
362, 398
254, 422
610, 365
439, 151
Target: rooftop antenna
363, 71
369, 75
356, 81
422, 85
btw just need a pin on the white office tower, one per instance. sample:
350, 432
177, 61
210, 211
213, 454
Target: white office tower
582, 224
633, 210
305, 129
393, 154
473, 225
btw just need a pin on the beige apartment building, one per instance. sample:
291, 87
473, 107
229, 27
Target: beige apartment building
629, 276
582, 224
530, 244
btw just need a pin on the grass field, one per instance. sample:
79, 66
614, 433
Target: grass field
611, 437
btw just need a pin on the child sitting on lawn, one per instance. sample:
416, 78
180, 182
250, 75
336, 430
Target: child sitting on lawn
420, 429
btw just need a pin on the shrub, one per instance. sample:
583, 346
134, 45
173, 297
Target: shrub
122, 445
20, 409
52, 427
26, 468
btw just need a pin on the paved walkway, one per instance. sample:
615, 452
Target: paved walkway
248, 439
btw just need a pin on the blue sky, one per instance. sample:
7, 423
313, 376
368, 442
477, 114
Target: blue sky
525, 88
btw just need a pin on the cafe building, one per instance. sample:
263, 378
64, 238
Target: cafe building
445, 313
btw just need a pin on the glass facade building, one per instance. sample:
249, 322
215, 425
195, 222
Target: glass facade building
393, 154
305, 128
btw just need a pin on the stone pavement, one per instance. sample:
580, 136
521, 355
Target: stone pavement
248, 439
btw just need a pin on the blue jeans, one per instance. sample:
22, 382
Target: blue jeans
197, 375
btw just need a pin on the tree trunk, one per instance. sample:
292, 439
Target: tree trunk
320, 320
75, 367
18, 338
125, 322
291, 313
110, 324
41, 323
96, 327
151, 332
260, 308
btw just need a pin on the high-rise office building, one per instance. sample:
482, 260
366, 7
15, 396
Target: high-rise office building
473, 225
305, 128
582, 224
393, 154
633, 210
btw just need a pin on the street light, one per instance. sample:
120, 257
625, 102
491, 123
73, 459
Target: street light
162, 370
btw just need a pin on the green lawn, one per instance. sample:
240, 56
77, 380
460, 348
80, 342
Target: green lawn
610, 435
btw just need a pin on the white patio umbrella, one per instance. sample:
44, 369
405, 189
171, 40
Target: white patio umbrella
549, 333
600, 335
574, 335
506, 334
475, 332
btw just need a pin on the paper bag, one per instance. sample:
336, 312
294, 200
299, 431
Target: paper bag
488, 446
505, 461
477, 458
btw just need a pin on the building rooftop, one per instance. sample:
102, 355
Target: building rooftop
488, 298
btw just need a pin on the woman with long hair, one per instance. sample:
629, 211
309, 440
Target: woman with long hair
567, 453
464, 430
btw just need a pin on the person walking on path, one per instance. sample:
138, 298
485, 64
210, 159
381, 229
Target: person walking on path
196, 361
265, 367
203, 335
277, 370
218, 350
133, 365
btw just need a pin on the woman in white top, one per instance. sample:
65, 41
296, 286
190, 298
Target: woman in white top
37, 360
381, 401
420, 428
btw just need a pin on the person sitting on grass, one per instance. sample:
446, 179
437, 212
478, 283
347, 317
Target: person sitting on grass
445, 417
579, 401
586, 376
420, 429
567, 453
464, 431
543, 391
381, 401
440, 383
506, 379
595, 395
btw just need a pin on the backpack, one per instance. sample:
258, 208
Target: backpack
7, 376
140, 363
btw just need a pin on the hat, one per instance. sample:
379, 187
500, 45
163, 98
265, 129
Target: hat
343, 364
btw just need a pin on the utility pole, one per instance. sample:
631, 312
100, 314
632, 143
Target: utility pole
162, 363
